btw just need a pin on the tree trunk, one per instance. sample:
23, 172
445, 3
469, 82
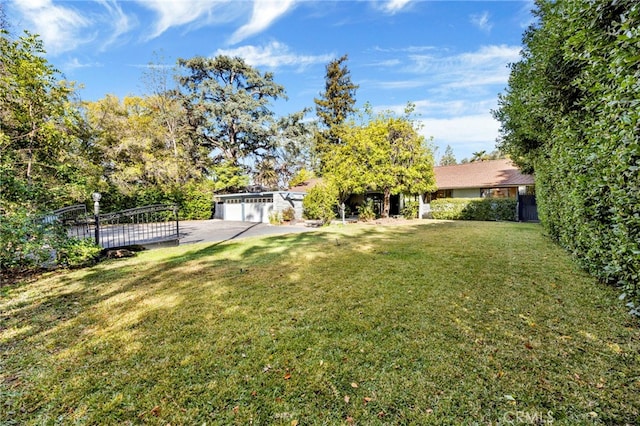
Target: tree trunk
386, 203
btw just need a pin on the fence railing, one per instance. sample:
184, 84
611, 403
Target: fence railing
74, 219
140, 226
146, 225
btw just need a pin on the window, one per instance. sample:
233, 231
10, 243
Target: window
499, 192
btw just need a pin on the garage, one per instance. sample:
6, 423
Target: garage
257, 207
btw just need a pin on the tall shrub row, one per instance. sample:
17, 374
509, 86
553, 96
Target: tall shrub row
571, 114
474, 209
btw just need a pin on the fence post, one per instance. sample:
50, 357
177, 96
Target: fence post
175, 213
96, 215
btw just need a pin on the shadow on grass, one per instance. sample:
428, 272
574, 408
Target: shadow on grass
277, 328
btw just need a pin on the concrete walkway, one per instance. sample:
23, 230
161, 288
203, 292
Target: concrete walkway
214, 230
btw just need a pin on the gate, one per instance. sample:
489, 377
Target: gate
527, 208
148, 225
74, 219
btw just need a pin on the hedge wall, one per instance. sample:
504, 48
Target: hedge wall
474, 209
571, 113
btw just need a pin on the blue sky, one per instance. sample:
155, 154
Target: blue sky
448, 57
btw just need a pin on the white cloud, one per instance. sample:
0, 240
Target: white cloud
393, 6
274, 55
481, 21
194, 12
119, 22
465, 134
59, 26
74, 64
265, 12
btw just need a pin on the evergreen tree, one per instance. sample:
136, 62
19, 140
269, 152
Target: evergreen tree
227, 102
335, 104
448, 158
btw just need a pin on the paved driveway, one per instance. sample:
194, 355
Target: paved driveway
195, 231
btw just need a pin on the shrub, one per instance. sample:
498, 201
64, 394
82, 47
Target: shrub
78, 252
366, 211
474, 208
196, 200
410, 209
288, 214
320, 203
28, 243
275, 218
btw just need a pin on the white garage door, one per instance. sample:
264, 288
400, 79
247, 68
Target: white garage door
232, 210
254, 209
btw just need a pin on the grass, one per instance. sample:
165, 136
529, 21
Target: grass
428, 323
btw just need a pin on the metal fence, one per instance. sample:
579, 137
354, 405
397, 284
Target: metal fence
146, 225
75, 219
140, 226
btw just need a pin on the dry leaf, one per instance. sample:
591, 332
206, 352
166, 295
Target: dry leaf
294, 423
354, 385
366, 400
346, 399
381, 414
349, 419
528, 345
156, 410
266, 368
287, 376
236, 409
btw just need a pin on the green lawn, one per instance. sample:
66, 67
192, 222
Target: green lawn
426, 323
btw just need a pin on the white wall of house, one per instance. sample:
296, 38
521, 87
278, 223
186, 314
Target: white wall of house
466, 193
285, 200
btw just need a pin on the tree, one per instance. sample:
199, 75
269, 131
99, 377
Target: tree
39, 128
139, 154
479, 156
385, 154
227, 102
570, 114
448, 158
335, 104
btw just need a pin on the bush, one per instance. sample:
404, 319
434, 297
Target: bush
288, 214
78, 252
410, 209
366, 211
275, 218
29, 243
474, 209
196, 200
320, 203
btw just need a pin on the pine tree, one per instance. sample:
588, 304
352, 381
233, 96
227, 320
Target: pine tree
448, 158
335, 104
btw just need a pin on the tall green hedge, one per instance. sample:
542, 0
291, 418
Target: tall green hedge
474, 209
571, 113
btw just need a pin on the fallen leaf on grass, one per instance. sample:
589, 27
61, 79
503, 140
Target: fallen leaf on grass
346, 398
367, 400
266, 368
354, 385
236, 409
155, 410
287, 376
349, 419
294, 423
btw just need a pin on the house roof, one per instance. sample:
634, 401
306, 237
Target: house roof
481, 174
306, 185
